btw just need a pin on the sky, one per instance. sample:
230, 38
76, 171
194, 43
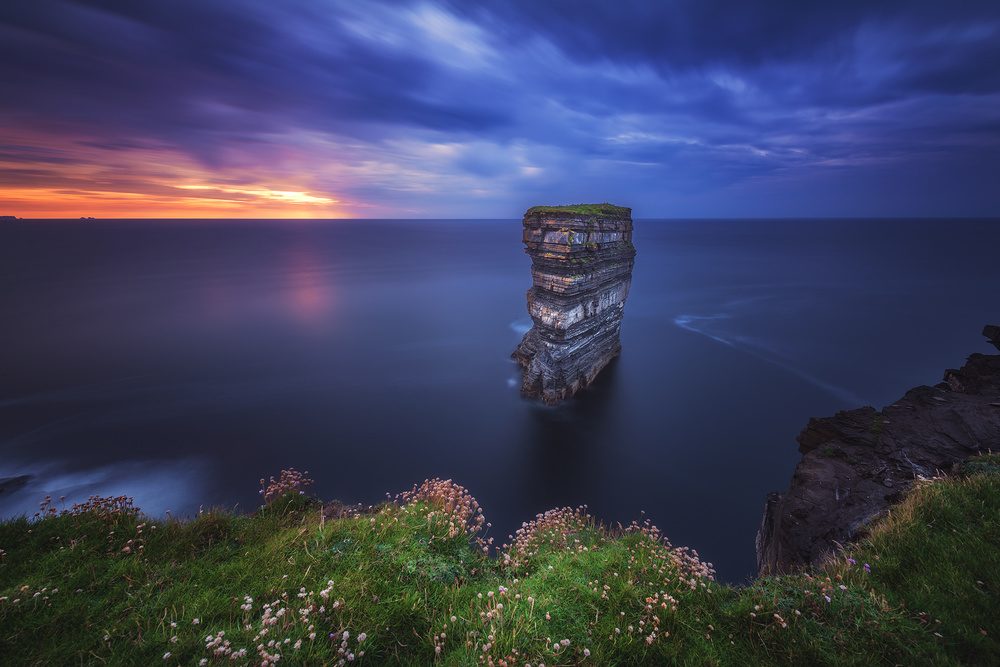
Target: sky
481, 109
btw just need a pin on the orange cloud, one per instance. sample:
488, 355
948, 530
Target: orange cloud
49, 178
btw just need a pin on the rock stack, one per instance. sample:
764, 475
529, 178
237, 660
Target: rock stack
581, 269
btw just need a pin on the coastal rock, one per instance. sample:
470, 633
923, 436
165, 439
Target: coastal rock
856, 464
581, 269
12, 484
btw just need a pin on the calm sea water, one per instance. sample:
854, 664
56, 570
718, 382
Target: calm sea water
180, 361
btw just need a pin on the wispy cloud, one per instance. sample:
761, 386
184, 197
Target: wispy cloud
440, 108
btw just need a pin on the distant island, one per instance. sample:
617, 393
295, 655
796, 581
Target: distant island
8, 217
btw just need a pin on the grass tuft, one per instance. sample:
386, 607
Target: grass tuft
600, 210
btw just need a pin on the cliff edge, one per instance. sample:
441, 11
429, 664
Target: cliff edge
856, 464
581, 270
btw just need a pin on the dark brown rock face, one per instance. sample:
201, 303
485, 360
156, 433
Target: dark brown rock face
582, 258
857, 463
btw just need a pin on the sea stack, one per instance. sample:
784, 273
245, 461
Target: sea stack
581, 270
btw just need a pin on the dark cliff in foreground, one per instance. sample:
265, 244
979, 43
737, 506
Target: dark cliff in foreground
582, 258
859, 462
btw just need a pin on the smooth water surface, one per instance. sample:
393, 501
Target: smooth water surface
180, 361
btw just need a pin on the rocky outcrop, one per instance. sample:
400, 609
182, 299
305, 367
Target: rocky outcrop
859, 462
581, 269
12, 484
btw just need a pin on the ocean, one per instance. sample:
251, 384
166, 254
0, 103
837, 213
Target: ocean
180, 361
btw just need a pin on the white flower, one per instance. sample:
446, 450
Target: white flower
362, 637
166, 655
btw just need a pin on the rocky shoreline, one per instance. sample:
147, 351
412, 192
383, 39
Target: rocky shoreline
858, 463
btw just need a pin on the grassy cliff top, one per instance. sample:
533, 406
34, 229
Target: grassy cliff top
409, 583
604, 209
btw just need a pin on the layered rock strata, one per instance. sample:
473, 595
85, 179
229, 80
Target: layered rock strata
856, 464
581, 270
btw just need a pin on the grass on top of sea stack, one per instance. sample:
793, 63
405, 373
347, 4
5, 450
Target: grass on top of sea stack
600, 210
409, 582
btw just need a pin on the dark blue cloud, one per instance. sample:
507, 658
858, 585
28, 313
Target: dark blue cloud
515, 98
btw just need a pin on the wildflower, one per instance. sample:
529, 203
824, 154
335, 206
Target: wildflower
362, 637
843, 587
453, 619
851, 561
173, 640
867, 568
203, 661
346, 635
173, 624
827, 597
196, 621
565, 642
166, 655
586, 652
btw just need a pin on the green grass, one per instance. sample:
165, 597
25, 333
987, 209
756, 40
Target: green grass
604, 209
408, 583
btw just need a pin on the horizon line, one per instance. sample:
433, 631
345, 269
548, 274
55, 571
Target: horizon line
753, 217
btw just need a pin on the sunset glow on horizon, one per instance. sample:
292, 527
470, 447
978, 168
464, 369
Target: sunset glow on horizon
448, 109
74, 178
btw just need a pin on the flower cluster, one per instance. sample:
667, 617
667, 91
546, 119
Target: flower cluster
556, 529
292, 483
451, 506
290, 627
108, 508
503, 628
